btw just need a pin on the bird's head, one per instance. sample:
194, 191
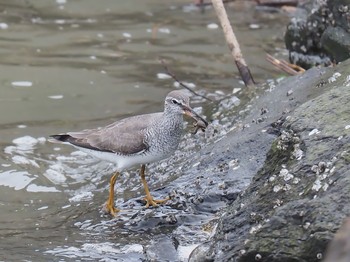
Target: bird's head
178, 101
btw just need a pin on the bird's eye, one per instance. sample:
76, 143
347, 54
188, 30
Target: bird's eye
175, 102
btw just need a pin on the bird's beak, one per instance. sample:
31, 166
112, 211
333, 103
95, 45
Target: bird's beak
191, 113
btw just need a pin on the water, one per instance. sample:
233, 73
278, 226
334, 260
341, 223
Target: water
69, 65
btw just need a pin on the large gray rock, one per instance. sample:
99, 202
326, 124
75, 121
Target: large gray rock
299, 198
319, 33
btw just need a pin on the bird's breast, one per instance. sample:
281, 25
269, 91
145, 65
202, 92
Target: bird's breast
165, 140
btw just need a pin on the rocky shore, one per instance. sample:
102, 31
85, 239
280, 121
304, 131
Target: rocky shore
299, 158
319, 33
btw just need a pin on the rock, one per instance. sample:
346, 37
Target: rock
336, 42
319, 33
338, 250
166, 245
300, 196
199, 253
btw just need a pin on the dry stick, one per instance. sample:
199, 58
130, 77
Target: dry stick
280, 65
201, 2
285, 66
233, 43
277, 2
173, 76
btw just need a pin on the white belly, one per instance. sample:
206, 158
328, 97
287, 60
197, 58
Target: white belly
124, 162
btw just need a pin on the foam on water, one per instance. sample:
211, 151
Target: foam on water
103, 251
82, 196
21, 83
21, 160
15, 179
37, 188
55, 174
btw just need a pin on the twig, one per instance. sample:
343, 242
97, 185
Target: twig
285, 66
232, 43
201, 2
277, 2
173, 76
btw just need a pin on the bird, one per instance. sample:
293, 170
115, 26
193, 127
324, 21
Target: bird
136, 140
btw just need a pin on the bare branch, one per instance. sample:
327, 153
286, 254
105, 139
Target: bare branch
285, 66
202, 3
232, 43
277, 2
173, 76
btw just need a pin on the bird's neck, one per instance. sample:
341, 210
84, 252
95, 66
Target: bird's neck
170, 120
168, 115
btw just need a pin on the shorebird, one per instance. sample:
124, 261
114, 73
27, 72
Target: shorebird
139, 139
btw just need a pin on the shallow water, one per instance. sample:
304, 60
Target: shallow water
69, 65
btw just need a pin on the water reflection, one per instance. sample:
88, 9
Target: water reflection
70, 65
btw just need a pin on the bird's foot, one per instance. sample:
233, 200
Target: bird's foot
109, 208
154, 202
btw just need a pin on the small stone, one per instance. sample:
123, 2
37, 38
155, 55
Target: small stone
317, 185
242, 252
325, 187
298, 154
283, 172
306, 225
296, 180
263, 111
236, 90
314, 131
171, 219
276, 188
322, 166
222, 186
314, 168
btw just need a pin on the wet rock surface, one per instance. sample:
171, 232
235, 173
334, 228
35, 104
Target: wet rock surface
319, 33
299, 197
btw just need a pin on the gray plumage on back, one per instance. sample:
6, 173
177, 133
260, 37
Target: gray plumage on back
122, 137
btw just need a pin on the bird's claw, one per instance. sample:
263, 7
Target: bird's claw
111, 209
154, 202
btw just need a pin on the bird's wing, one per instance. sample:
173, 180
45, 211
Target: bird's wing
125, 136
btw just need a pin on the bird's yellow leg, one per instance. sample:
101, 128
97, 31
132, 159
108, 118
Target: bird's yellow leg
149, 199
109, 206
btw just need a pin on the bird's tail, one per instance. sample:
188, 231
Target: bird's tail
59, 138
